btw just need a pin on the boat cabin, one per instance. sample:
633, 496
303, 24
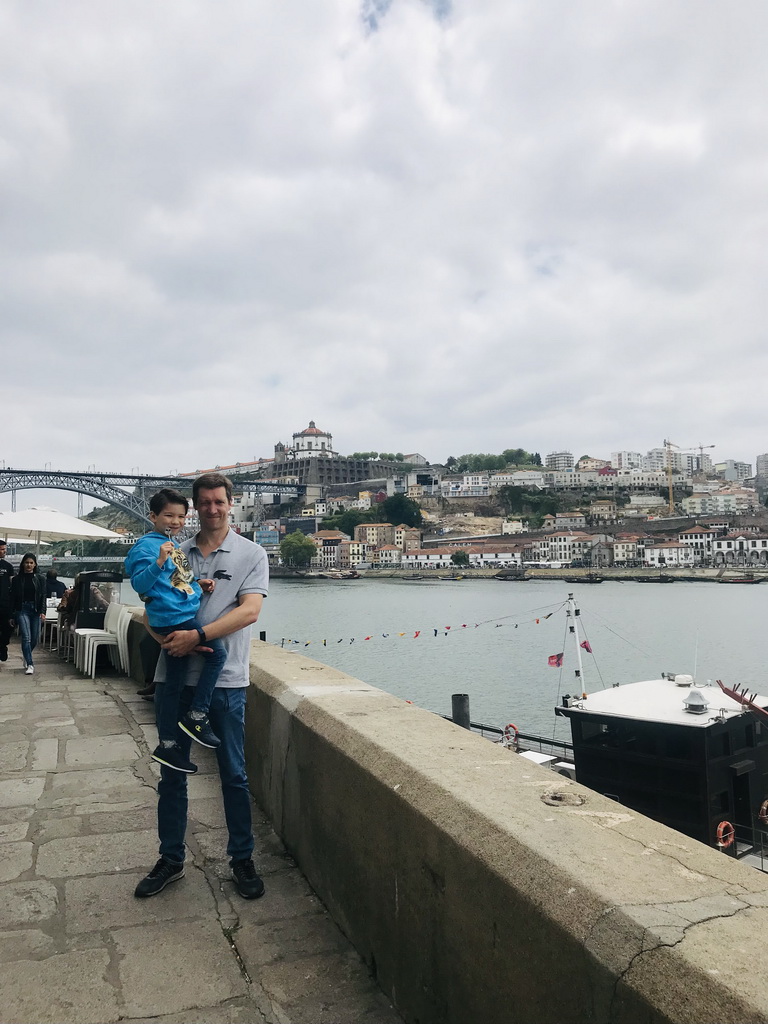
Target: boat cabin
684, 754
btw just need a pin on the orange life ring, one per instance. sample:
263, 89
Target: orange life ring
515, 740
762, 814
725, 835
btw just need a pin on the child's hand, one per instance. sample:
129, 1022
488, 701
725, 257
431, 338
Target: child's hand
165, 552
207, 586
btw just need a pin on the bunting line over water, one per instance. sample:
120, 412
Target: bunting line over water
432, 632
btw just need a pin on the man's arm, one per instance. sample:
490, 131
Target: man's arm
183, 641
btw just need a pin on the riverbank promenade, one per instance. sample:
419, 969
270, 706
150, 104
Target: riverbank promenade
77, 832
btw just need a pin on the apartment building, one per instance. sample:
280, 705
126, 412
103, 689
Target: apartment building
732, 470
388, 556
352, 552
669, 553
740, 549
570, 521
407, 538
559, 461
327, 543
731, 500
376, 534
603, 511
626, 460
700, 539
659, 460
471, 485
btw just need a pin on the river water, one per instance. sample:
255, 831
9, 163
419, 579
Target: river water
496, 651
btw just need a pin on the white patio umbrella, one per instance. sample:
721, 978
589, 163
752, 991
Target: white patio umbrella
48, 524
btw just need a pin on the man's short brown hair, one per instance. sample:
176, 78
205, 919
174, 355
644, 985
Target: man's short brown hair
209, 482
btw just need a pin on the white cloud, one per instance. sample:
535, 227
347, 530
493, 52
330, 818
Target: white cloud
468, 227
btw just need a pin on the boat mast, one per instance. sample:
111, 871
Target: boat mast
572, 613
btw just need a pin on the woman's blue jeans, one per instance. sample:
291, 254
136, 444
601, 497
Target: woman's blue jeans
227, 715
29, 628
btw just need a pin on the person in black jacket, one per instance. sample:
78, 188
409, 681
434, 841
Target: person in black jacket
6, 575
53, 585
28, 606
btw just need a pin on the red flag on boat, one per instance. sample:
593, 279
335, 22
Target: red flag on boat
586, 646
555, 660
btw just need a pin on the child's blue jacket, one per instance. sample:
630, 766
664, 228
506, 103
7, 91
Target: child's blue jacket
170, 591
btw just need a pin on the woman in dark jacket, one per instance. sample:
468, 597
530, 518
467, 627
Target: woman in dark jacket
28, 606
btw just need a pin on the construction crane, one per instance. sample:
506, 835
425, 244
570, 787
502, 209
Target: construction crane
700, 449
669, 445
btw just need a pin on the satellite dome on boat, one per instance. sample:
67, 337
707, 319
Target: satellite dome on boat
678, 678
695, 703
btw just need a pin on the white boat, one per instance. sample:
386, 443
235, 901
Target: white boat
687, 754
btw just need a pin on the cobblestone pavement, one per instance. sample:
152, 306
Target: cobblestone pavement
77, 832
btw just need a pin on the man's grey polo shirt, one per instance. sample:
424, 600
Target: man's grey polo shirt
239, 567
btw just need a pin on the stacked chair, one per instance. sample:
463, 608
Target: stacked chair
114, 636
50, 628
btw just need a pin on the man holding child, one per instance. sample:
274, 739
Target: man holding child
239, 569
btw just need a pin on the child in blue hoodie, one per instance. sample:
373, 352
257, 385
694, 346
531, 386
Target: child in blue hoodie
162, 577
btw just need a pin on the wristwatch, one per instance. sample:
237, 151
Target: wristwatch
203, 637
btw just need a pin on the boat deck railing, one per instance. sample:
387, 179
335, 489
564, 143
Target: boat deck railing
528, 741
751, 846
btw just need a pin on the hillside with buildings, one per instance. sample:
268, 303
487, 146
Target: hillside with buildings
664, 507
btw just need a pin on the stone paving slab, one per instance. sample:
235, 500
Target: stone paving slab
78, 830
55, 989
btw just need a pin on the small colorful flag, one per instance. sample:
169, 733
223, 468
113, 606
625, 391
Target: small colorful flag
555, 660
586, 646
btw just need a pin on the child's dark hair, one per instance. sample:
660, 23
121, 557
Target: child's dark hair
167, 496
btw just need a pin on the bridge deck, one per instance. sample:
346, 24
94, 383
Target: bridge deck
77, 812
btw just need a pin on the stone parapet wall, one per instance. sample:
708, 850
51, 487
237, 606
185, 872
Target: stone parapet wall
482, 888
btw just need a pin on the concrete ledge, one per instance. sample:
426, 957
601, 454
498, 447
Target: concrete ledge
480, 887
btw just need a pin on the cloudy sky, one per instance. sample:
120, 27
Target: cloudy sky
429, 225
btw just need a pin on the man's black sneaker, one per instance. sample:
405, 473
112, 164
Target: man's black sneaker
162, 873
147, 691
247, 882
200, 730
3, 654
172, 757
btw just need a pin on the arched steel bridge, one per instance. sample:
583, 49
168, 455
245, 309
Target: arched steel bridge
111, 487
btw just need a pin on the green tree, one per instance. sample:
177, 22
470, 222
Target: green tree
400, 509
460, 558
348, 520
511, 499
297, 549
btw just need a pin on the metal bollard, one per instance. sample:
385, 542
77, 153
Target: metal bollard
460, 709
263, 636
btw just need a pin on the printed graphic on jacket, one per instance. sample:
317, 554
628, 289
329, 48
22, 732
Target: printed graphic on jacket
182, 575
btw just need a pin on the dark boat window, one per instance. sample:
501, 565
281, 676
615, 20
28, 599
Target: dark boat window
591, 730
721, 744
720, 801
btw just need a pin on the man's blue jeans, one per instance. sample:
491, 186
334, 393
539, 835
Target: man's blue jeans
227, 715
28, 620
